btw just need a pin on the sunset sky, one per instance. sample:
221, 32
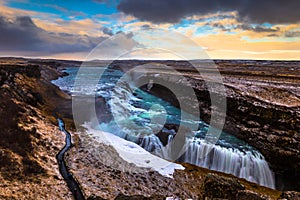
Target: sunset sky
225, 29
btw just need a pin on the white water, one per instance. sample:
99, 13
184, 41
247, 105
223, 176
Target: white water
248, 165
229, 155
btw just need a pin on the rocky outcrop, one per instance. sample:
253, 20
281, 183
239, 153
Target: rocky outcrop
274, 131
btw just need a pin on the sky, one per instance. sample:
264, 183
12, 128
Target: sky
223, 29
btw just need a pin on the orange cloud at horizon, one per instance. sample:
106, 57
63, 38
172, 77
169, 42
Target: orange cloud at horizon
224, 46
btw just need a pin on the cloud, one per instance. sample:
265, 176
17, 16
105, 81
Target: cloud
116, 47
107, 31
292, 34
107, 2
92, 28
226, 46
172, 11
145, 26
273, 35
12, 12
258, 29
65, 10
21, 34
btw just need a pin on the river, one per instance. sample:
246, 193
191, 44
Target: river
229, 154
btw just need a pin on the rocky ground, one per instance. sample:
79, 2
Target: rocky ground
30, 139
104, 177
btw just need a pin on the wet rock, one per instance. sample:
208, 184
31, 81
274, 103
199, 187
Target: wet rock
220, 187
163, 135
64, 74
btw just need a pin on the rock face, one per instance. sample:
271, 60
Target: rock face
263, 108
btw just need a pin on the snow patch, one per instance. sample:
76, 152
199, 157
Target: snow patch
133, 153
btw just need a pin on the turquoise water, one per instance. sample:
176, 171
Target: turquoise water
136, 114
140, 104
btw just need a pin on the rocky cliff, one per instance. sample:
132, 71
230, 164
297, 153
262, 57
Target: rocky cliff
263, 107
29, 140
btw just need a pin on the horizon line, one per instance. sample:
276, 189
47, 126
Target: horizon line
139, 59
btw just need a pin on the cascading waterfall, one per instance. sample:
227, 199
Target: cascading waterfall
152, 144
228, 155
249, 165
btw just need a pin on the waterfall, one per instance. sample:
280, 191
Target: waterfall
249, 165
224, 156
132, 121
152, 144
